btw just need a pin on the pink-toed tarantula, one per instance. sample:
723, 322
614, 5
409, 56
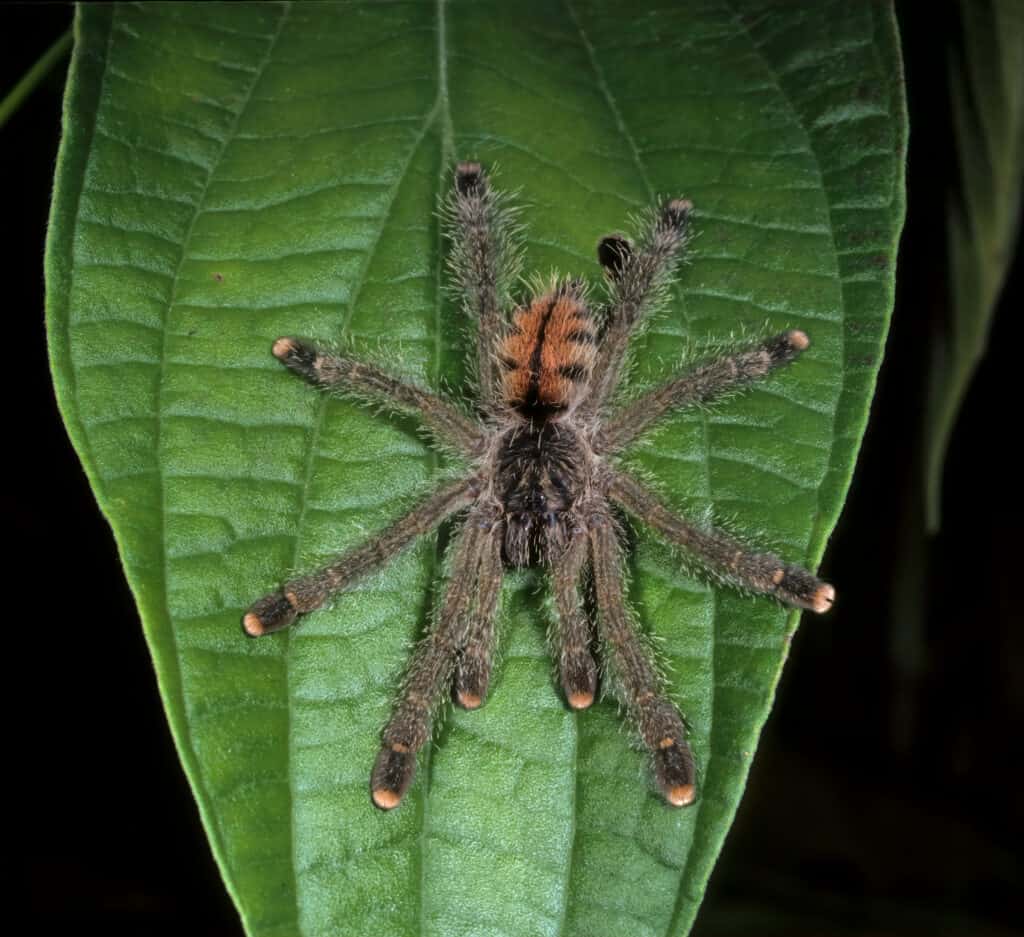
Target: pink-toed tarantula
543, 483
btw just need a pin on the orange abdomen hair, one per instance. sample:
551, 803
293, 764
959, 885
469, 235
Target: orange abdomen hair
549, 354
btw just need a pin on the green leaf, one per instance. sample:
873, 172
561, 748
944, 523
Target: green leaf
231, 173
987, 88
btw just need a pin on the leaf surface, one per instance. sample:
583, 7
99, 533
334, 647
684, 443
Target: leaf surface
231, 173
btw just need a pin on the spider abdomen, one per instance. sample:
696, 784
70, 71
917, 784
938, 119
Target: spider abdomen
540, 475
548, 355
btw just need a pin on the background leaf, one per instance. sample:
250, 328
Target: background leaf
987, 90
232, 173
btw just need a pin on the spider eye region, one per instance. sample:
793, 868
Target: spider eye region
548, 356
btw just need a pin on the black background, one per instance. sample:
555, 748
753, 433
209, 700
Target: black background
885, 797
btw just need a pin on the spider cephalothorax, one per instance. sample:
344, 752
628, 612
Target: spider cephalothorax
544, 487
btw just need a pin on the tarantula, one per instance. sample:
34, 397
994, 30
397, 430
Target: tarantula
543, 483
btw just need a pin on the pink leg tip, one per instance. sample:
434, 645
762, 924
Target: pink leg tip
681, 795
823, 598
798, 339
282, 347
468, 700
386, 799
252, 625
582, 699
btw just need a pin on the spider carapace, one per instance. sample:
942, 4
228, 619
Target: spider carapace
544, 487
546, 361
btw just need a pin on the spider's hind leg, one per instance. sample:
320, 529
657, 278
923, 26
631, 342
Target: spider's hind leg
576, 665
473, 668
431, 668
655, 715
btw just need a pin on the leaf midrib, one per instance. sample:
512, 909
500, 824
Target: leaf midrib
710, 597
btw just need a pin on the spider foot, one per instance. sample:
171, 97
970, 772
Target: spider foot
470, 687
469, 178
614, 253
823, 598
673, 769
392, 775
579, 680
297, 355
782, 349
796, 586
271, 613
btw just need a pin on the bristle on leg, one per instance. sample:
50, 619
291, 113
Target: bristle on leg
676, 213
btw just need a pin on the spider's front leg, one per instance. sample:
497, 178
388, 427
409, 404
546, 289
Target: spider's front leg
704, 383
636, 277
433, 662
332, 371
485, 262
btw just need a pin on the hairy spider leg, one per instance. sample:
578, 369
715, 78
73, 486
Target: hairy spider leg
473, 667
721, 553
637, 278
702, 384
484, 261
431, 668
571, 634
656, 717
332, 371
279, 609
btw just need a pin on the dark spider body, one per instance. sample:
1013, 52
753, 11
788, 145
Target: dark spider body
544, 488
540, 478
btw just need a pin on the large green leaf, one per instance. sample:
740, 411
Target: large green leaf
232, 173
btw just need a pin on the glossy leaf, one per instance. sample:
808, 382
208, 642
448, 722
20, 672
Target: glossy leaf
230, 173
